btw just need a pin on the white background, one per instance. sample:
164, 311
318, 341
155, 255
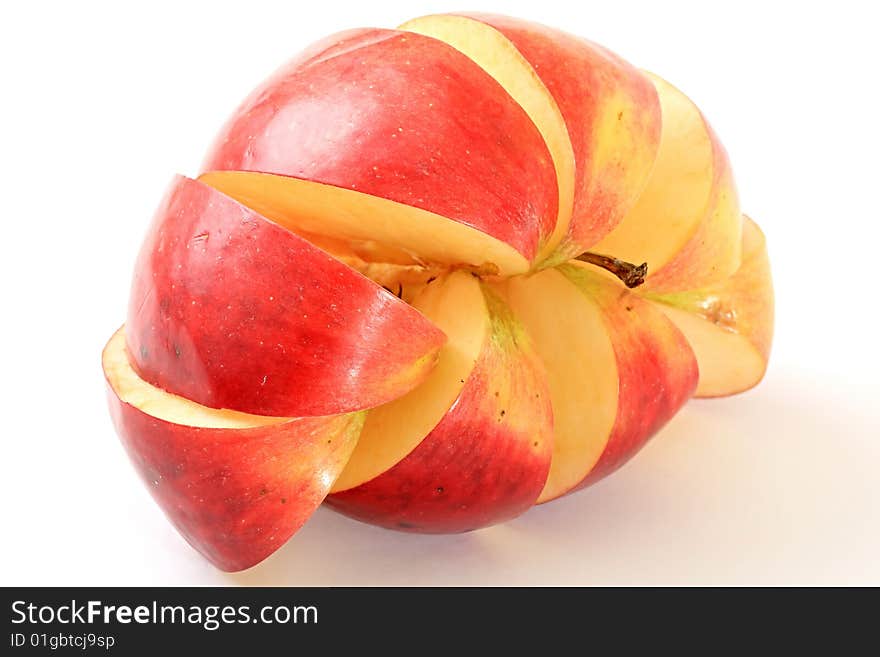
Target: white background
102, 104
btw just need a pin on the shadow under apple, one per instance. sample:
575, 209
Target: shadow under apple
730, 490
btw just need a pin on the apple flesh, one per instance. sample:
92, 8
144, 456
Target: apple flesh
455, 304
730, 324
495, 54
617, 369
686, 224
599, 115
232, 311
392, 138
236, 486
487, 458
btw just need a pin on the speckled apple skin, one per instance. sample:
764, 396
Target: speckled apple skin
236, 495
612, 115
406, 118
232, 311
487, 459
656, 368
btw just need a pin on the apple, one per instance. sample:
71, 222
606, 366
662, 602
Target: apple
599, 115
236, 486
432, 277
486, 457
617, 368
232, 311
381, 138
687, 221
729, 324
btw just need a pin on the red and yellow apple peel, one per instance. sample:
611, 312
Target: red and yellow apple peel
433, 276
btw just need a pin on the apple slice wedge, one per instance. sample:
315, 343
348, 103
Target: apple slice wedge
686, 224
394, 139
455, 305
730, 324
470, 447
599, 115
232, 311
236, 486
617, 369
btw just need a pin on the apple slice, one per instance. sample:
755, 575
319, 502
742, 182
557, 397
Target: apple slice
232, 311
617, 368
599, 115
686, 225
729, 325
496, 55
470, 447
455, 305
236, 486
394, 139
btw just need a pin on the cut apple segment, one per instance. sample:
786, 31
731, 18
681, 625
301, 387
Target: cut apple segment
396, 139
729, 325
370, 227
232, 311
454, 304
235, 486
610, 113
686, 224
487, 458
617, 369
157, 403
496, 55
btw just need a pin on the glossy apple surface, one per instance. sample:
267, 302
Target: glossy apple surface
617, 368
236, 486
232, 311
403, 118
599, 115
487, 459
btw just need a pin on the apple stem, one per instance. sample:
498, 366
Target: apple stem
631, 275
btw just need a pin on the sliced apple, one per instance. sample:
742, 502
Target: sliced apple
236, 486
394, 139
496, 55
232, 311
617, 369
599, 116
486, 458
686, 224
454, 304
729, 325
369, 227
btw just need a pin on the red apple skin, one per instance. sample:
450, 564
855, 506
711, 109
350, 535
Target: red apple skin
403, 117
231, 311
236, 495
586, 80
487, 459
657, 369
